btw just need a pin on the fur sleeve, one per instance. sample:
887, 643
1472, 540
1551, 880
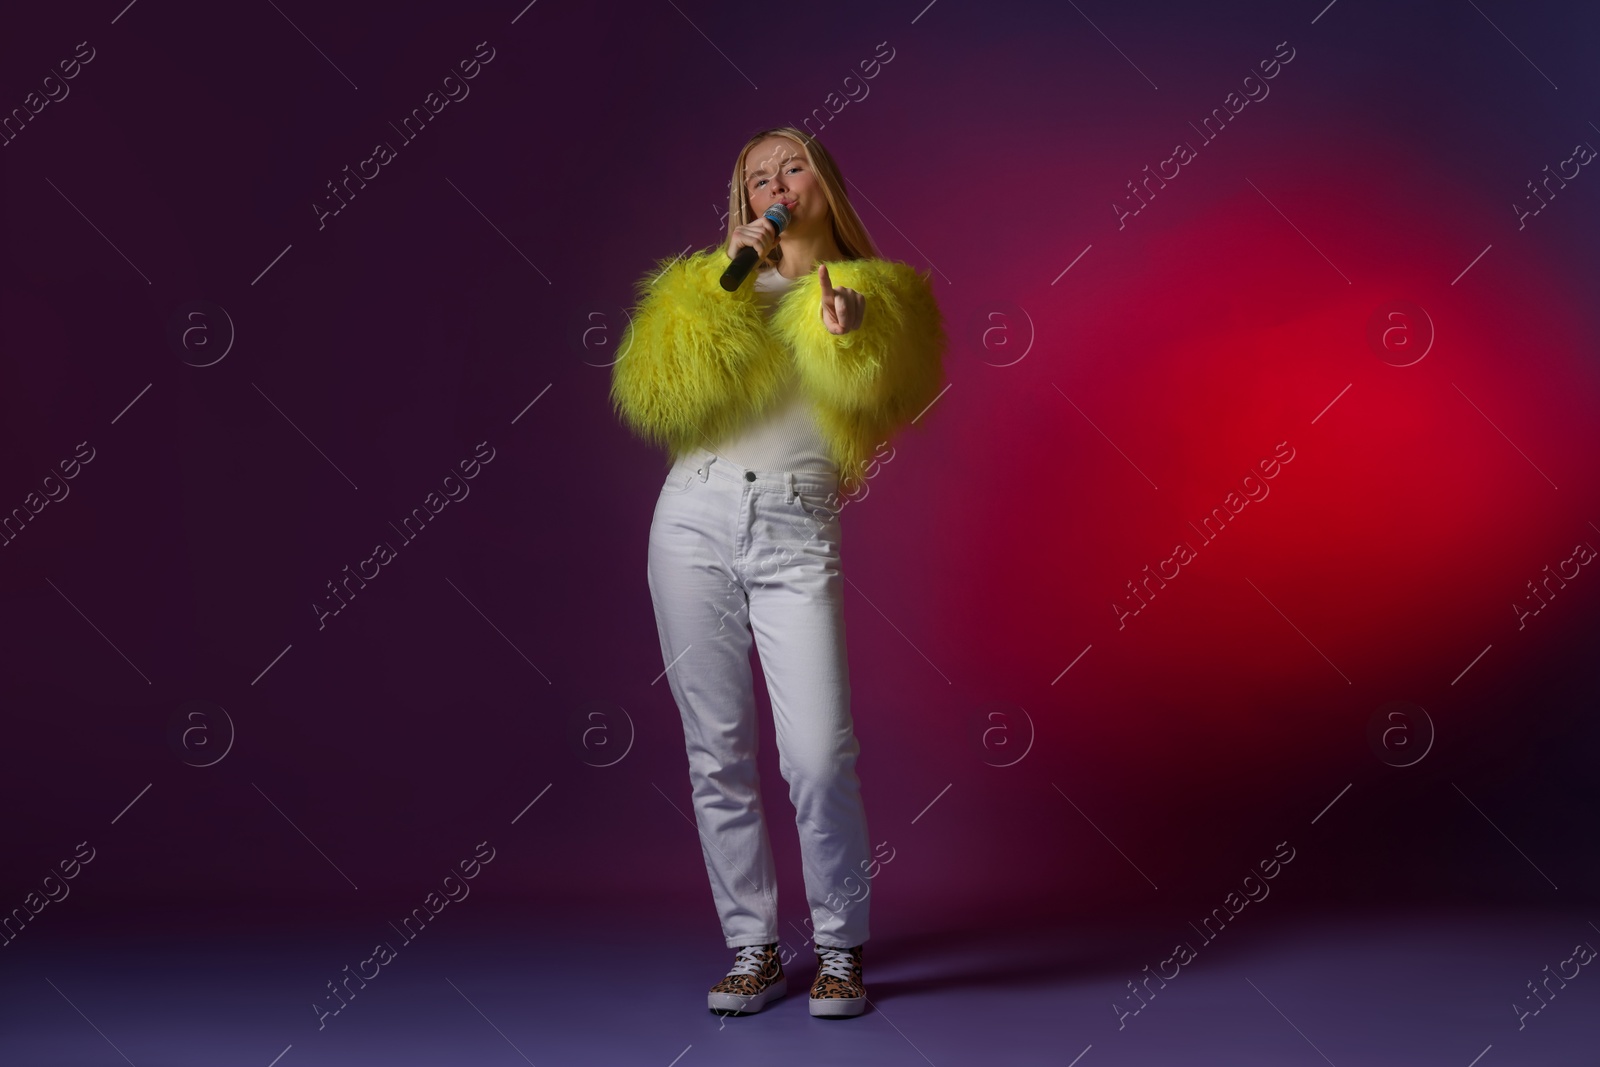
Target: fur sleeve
692, 354
891, 366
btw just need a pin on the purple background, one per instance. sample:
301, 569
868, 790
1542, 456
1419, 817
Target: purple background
487, 269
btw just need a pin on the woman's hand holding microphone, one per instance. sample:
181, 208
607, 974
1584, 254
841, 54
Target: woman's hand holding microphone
762, 235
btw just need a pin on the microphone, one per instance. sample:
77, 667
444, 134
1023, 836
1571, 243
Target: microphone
746, 258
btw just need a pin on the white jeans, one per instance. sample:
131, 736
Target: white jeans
735, 552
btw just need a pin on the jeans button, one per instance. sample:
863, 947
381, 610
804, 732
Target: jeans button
749, 476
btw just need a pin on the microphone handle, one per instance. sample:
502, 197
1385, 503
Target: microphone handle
740, 267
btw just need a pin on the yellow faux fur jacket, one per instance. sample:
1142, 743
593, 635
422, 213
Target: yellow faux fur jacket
697, 362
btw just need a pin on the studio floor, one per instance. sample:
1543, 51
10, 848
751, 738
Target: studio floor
602, 984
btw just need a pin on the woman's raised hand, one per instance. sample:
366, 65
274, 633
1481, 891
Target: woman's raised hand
842, 308
761, 235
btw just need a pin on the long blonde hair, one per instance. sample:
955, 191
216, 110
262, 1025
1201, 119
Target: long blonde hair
848, 232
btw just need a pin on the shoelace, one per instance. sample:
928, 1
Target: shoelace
836, 961
752, 959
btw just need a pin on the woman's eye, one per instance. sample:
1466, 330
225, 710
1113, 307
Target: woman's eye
762, 181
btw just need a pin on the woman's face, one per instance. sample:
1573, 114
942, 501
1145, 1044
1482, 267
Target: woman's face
776, 171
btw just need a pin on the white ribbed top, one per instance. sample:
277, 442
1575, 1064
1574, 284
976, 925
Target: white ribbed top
786, 438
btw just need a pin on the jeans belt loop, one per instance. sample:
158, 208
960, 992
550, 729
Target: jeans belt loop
793, 492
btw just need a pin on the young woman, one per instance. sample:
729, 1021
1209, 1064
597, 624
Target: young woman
768, 400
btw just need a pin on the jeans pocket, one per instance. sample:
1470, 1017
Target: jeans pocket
678, 481
822, 506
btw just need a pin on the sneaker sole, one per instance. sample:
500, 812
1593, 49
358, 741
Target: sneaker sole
831, 1006
738, 1002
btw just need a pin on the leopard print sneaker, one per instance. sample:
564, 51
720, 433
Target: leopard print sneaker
755, 979
838, 989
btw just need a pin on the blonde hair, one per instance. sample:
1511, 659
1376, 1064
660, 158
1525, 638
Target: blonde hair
848, 232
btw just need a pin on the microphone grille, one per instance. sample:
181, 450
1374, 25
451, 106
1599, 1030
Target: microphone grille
779, 216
